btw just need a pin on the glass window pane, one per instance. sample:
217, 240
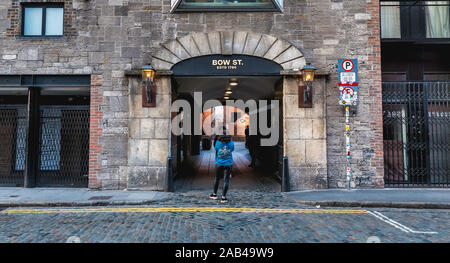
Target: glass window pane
50, 147
227, 4
21, 139
390, 20
32, 22
280, 3
437, 19
54, 21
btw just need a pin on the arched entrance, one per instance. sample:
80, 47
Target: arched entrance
195, 153
207, 63
273, 68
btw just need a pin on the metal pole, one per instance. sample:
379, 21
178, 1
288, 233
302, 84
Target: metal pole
32, 148
347, 145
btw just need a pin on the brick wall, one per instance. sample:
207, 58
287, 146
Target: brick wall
376, 110
95, 132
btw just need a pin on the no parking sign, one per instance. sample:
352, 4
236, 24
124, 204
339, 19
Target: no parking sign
348, 81
348, 95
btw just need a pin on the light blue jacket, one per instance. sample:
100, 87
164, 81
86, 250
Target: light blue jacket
224, 155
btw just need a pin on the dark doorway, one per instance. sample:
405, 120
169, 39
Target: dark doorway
55, 137
13, 111
416, 108
416, 129
194, 156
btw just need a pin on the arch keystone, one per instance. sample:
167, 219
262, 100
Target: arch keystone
239, 42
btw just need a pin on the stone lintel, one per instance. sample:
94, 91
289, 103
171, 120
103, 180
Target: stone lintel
290, 72
137, 73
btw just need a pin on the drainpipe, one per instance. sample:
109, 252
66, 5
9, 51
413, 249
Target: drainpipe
168, 184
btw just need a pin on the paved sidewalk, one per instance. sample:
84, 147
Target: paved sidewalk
399, 198
17, 196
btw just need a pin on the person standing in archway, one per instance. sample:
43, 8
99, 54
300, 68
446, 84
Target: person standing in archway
224, 161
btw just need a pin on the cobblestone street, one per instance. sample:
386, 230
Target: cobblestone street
248, 217
258, 179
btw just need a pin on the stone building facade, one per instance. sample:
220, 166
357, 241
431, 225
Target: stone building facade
111, 39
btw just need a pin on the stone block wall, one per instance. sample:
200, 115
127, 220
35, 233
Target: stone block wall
358, 37
148, 143
305, 136
107, 37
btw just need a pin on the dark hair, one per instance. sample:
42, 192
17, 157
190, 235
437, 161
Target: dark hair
225, 138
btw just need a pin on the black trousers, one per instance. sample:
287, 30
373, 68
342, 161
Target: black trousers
220, 170
253, 150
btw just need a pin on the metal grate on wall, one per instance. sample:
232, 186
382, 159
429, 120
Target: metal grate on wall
416, 134
64, 146
13, 144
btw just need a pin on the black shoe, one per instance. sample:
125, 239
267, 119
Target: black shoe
213, 196
224, 199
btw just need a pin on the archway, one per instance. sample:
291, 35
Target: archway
196, 154
304, 161
258, 79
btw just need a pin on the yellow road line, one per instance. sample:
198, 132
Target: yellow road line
181, 209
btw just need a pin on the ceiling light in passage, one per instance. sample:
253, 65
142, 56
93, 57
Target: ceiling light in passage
233, 82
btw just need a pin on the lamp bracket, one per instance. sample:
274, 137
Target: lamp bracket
305, 96
145, 101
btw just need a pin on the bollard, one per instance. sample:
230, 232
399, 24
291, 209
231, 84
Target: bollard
285, 178
169, 176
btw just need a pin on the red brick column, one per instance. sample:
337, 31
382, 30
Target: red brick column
373, 26
95, 131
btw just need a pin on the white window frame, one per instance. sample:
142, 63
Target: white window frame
278, 4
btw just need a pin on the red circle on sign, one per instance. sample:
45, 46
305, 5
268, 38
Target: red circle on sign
348, 90
347, 60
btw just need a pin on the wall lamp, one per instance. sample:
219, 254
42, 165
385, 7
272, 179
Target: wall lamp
149, 87
305, 91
